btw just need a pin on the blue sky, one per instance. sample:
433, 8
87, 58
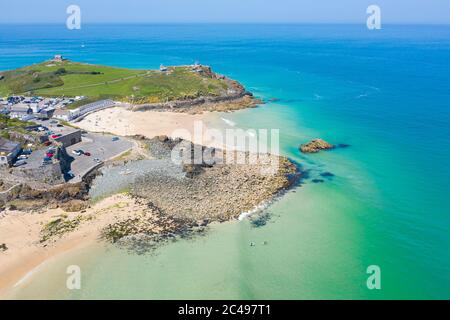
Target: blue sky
271, 11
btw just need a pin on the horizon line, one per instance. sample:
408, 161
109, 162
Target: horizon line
227, 23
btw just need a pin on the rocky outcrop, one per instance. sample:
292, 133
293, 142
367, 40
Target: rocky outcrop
233, 97
150, 223
71, 197
315, 146
215, 190
226, 103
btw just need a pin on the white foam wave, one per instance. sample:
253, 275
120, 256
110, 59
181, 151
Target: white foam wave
229, 122
258, 208
317, 97
28, 275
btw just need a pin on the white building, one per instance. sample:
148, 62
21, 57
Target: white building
91, 107
61, 115
58, 58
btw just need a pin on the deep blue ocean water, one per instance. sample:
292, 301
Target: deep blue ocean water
385, 92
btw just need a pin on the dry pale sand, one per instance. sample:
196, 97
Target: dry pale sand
20, 231
123, 122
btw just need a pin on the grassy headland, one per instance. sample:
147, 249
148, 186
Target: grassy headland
68, 78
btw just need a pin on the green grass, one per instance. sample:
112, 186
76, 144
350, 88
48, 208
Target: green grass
94, 81
8, 125
6, 122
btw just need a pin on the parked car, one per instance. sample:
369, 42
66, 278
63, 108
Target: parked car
78, 152
49, 155
54, 136
88, 154
22, 157
47, 143
59, 125
69, 175
27, 152
19, 163
97, 160
115, 139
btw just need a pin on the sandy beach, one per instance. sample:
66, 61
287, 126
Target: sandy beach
150, 124
20, 231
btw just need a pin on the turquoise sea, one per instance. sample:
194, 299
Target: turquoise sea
386, 93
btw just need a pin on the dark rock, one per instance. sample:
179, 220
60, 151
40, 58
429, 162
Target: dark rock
318, 181
327, 175
163, 138
202, 223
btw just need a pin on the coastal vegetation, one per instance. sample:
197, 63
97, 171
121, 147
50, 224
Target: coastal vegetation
8, 126
60, 226
68, 78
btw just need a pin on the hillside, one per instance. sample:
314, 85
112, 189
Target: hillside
68, 78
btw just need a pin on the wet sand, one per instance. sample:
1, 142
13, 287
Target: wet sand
20, 231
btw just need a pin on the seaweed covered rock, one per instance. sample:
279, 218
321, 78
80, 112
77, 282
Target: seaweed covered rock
315, 146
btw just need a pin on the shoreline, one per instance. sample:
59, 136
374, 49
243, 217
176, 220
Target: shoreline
26, 254
19, 264
23, 229
36, 259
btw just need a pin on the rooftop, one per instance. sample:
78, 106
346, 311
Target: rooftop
7, 146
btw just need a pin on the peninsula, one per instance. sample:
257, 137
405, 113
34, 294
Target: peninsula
177, 88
